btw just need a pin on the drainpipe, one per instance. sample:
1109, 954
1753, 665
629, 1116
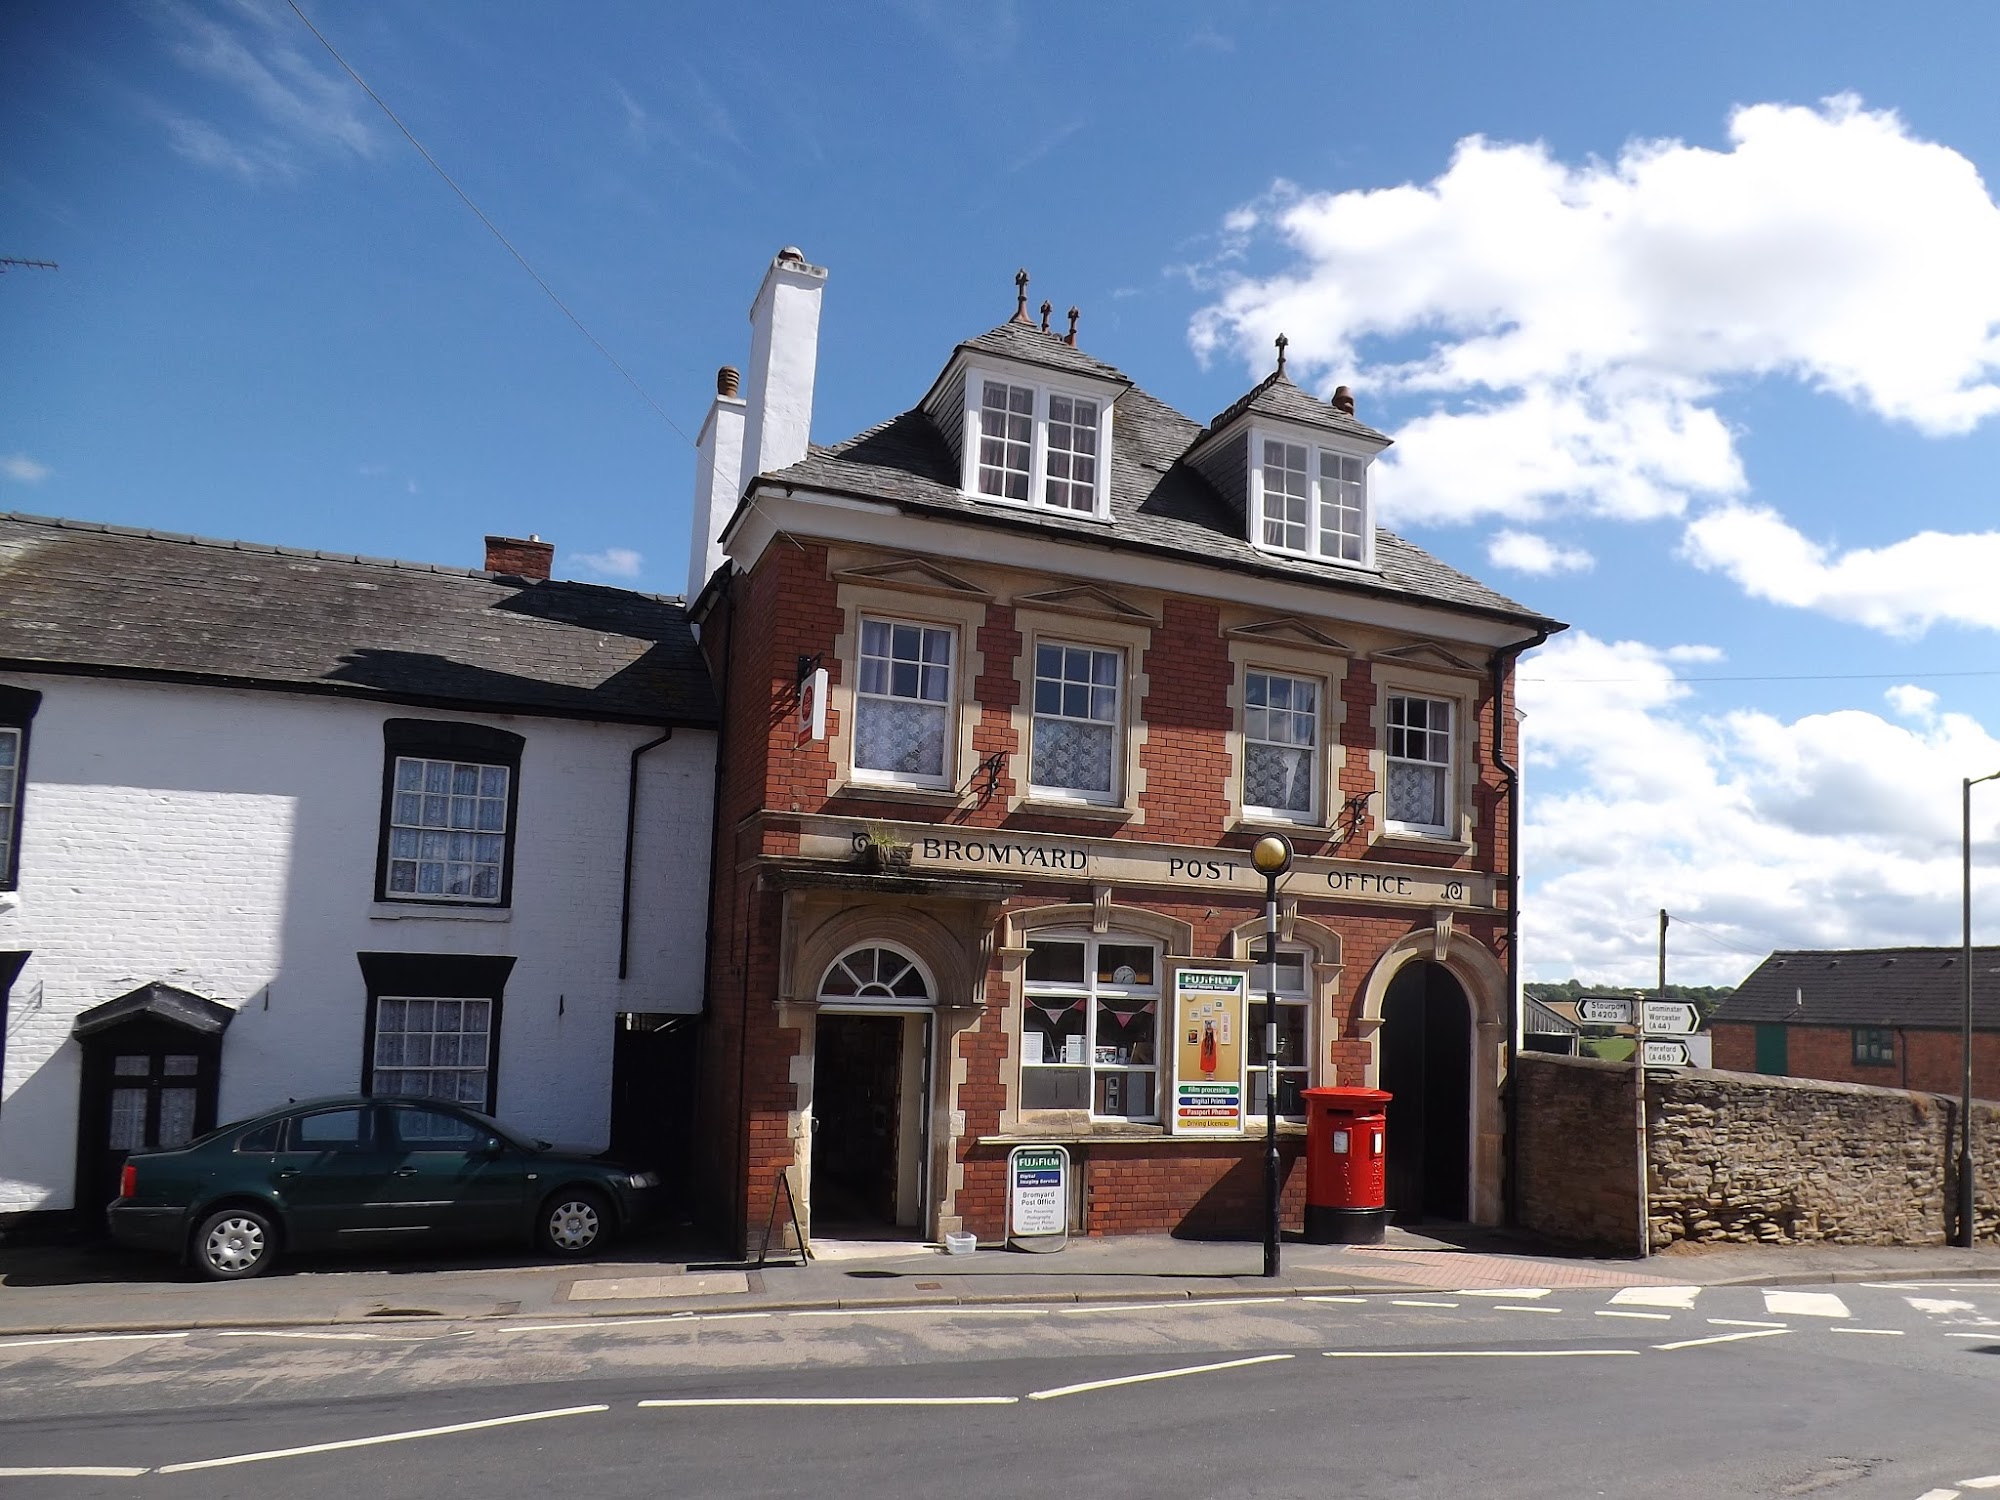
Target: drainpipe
631, 829
1503, 660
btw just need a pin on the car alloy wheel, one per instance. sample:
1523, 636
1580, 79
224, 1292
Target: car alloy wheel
575, 1224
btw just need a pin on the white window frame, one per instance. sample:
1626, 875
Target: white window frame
947, 775
1449, 767
1048, 792
483, 1068
504, 833
1090, 991
1316, 775
976, 377
1300, 999
1316, 455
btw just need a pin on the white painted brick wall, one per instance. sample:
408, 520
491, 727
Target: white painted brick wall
224, 841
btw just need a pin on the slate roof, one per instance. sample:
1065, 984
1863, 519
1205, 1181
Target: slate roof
1159, 503
80, 597
1918, 987
1276, 396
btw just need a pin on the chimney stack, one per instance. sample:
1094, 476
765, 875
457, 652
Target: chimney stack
517, 557
1343, 400
718, 478
784, 352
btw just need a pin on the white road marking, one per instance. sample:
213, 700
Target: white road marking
1314, 1297
1468, 1353
1984, 1482
1938, 1495
1103, 1385
1889, 1332
1517, 1307
387, 1437
1523, 1292
1723, 1338
73, 1472
839, 1401
1608, 1312
1805, 1304
1745, 1323
1420, 1302
252, 1333
1941, 1305
1681, 1297
89, 1338
1970, 1335
942, 1307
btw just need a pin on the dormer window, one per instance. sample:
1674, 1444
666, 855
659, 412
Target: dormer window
1311, 501
1036, 444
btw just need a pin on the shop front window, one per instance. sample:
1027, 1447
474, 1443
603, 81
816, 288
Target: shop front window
1090, 1026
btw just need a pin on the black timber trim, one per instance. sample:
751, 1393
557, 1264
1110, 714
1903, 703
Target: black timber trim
442, 976
17, 712
11, 965
344, 690
448, 739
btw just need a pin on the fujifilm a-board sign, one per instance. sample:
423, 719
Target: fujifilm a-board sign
1009, 855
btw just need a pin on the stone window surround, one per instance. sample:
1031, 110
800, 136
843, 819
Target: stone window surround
1099, 918
1035, 624
885, 600
1330, 670
1400, 679
1323, 948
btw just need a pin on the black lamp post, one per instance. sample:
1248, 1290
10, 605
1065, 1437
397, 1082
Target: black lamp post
1964, 1235
1271, 856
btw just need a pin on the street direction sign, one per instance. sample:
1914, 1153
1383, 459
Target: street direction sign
1604, 1010
1667, 1018
1663, 1055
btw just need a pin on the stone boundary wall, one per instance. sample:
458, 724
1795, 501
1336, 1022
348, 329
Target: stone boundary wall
1743, 1157
1577, 1155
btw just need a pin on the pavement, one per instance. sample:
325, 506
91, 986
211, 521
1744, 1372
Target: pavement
100, 1289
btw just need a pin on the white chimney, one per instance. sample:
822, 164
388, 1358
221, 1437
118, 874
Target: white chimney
718, 479
784, 349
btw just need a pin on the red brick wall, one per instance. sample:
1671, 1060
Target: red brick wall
788, 607
1926, 1060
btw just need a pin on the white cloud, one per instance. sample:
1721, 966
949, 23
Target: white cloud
1902, 589
1525, 552
1828, 830
1575, 324
22, 469
1911, 701
612, 562
255, 53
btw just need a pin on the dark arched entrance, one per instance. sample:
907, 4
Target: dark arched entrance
1426, 1064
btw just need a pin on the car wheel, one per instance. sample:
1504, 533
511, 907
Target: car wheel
574, 1222
235, 1243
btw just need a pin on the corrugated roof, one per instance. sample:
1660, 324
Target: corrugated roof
83, 597
1158, 502
1922, 987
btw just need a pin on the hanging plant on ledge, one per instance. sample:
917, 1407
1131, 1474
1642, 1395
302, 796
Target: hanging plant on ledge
877, 851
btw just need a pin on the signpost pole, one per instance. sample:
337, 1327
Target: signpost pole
1271, 856
1639, 1095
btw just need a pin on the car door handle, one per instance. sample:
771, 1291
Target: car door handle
404, 1172
289, 1173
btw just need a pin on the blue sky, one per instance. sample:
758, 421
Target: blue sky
1687, 322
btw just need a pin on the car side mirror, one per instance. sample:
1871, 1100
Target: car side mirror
491, 1146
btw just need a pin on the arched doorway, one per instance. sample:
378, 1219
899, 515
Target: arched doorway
871, 1092
1426, 1064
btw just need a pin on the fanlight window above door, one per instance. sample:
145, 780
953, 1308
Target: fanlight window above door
874, 974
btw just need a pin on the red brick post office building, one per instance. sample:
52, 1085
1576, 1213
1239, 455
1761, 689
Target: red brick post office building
1012, 682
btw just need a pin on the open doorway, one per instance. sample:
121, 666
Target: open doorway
1426, 1065
870, 1085
653, 1081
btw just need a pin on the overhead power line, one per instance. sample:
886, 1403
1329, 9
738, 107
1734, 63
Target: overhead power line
1781, 677
480, 214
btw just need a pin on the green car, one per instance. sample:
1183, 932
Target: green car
333, 1173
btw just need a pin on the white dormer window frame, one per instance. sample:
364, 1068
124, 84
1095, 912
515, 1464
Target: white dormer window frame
1050, 411
1334, 480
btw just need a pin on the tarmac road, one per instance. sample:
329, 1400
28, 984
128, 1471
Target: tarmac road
1847, 1389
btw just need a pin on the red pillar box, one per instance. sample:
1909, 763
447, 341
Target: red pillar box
1346, 1148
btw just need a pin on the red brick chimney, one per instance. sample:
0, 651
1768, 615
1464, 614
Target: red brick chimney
529, 559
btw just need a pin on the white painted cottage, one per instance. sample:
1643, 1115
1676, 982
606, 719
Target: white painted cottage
276, 824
